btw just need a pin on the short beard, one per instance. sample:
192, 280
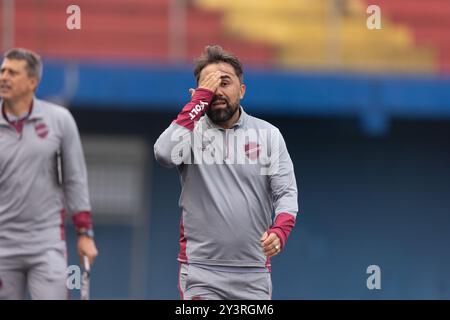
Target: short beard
222, 115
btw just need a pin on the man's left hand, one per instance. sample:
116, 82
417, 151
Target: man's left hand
86, 247
271, 244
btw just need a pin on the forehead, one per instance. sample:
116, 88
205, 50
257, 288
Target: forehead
14, 64
224, 68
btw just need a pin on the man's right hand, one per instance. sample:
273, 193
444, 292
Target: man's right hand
211, 82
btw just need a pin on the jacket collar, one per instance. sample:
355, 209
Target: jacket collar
36, 111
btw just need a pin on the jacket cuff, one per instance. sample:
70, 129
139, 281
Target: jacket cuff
284, 222
82, 220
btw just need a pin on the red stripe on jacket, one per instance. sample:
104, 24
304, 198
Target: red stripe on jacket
61, 226
182, 255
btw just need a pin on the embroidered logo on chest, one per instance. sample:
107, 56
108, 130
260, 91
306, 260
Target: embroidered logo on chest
252, 150
41, 130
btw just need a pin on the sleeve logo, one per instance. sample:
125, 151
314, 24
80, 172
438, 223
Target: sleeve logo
197, 109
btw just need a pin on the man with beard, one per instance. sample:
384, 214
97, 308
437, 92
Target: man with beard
227, 232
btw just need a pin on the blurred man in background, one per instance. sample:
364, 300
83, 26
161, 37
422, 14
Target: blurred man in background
227, 234
42, 171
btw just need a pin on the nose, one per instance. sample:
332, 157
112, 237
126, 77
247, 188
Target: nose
219, 93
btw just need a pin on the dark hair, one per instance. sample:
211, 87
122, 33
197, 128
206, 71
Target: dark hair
215, 54
33, 60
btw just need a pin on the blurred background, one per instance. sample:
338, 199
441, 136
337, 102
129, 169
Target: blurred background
365, 114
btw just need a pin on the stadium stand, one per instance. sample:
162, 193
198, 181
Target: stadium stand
429, 22
309, 36
136, 30
293, 33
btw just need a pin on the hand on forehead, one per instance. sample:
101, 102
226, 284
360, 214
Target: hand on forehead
224, 70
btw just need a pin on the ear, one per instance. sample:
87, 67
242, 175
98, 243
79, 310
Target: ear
34, 83
242, 91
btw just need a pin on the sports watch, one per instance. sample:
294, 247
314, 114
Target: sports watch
86, 232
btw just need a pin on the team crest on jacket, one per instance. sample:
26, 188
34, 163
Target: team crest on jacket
252, 150
41, 130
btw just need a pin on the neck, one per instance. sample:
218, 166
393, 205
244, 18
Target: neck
18, 107
230, 122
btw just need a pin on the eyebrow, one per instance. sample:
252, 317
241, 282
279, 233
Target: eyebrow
225, 77
8, 69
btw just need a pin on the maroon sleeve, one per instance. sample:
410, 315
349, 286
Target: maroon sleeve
195, 108
284, 222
